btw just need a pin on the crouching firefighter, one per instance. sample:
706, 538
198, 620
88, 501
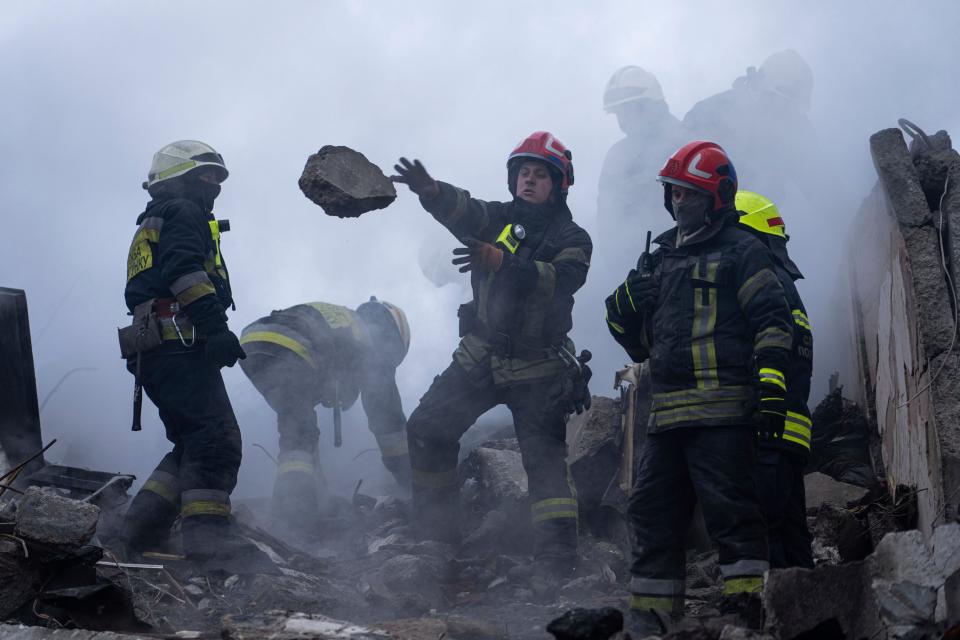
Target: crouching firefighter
320, 353
782, 458
526, 259
177, 291
709, 313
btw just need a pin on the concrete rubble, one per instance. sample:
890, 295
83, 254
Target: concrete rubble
344, 183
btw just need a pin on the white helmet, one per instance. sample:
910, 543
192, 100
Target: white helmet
181, 157
629, 84
787, 74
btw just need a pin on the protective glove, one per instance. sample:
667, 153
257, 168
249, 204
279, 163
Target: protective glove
415, 176
478, 255
771, 410
223, 349
581, 397
637, 294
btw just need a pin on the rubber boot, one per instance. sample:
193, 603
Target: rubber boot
639, 624
748, 607
296, 491
146, 525
212, 545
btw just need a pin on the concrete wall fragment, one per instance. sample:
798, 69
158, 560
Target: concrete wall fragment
904, 325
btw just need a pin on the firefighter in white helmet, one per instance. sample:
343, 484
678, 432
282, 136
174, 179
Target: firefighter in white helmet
762, 121
322, 353
178, 291
635, 97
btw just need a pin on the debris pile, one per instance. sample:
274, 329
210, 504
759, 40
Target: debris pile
344, 183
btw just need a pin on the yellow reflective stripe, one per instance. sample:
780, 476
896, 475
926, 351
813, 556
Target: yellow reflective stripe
281, 340
295, 466
555, 515
616, 299
660, 603
553, 502
162, 490
335, 315
701, 340
712, 411
183, 166
751, 584
205, 508
713, 266
773, 376
626, 284
773, 338
753, 285
615, 326
801, 319
673, 399
195, 292
434, 479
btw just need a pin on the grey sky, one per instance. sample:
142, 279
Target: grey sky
92, 89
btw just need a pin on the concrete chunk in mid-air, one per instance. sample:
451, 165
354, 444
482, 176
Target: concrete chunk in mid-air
344, 183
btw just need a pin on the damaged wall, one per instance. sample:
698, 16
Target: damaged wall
904, 324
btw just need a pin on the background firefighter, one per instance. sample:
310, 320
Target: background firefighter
781, 460
320, 353
177, 282
708, 311
527, 258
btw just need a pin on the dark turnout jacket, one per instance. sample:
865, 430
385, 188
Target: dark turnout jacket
720, 316
175, 254
525, 308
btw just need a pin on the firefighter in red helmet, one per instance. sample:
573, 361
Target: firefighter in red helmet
526, 258
708, 311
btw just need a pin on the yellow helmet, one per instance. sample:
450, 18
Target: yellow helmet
759, 212
389, 329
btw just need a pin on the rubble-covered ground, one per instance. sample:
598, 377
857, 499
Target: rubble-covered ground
363, 575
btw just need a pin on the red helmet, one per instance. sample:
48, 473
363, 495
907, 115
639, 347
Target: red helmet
541, 145
701, 165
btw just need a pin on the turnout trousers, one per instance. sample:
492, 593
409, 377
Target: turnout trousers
715, 466
293, 390
195, 479
451, 405
784, 501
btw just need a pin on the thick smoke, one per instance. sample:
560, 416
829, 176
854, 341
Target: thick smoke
93, 89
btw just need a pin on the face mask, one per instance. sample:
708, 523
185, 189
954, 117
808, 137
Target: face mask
691, 214
206, 192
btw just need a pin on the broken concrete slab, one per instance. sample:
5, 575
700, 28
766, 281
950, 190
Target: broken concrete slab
20, 578
821, 489
48, 518
281, 625
494, 480
449, 628
24, 632
798, 600
344, 183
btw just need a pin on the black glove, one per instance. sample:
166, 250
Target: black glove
637, 294
771, 410
223, 349
414, 175
581, 390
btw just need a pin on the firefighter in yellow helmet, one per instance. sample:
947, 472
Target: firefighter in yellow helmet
321, 353
782, 457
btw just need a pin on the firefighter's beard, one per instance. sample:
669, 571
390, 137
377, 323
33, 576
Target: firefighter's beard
691, 214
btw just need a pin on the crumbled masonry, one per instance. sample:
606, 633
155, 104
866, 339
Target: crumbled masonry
344, 183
